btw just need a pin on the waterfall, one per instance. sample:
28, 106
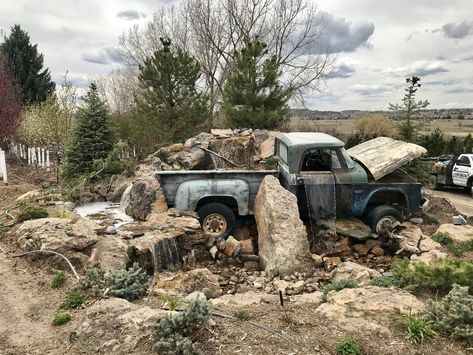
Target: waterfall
165, 255
125, 200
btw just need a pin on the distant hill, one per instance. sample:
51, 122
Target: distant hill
454, 113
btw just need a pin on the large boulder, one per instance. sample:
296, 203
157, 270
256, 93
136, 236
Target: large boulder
142, 197
353, 228
116, 326
240, 150
463, 233
282, 241
371, 308
194, 158
412, 240
187, 282
57, 234
351, 270
111, 252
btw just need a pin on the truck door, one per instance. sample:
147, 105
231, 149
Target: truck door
461, 171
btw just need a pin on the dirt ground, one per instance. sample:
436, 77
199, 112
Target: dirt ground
28, 303
462, 201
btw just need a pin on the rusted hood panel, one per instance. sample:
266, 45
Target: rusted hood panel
384, 155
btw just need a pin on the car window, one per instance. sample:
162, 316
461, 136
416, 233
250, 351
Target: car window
282, 152
348, 160
464, 160
320, 159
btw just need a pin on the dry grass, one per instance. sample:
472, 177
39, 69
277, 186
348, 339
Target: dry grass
452, 127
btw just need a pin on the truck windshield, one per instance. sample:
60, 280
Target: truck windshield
348, 160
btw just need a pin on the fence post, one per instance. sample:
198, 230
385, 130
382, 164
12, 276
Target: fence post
3, 167
47, 161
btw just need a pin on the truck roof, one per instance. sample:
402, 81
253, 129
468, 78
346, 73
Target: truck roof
310, 139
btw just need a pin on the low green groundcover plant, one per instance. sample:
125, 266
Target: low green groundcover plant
437, 276
73, 300
348, 346
337, 286
385, 281
28, 212
457, 249
58, 279
61, 318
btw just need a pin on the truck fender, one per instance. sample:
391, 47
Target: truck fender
362, 203
189, 193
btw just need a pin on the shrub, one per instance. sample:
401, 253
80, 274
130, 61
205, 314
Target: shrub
270, 163
339, 285
58, 279
173, 331
348, 346
385, 281
94, 281
417, 327
457, 249
453, 315
128, 284
28, 212
61, 318
438, 276
72, 300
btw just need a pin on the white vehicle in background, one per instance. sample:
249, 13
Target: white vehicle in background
457, 171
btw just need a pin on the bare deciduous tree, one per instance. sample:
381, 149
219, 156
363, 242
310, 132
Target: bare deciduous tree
211, 30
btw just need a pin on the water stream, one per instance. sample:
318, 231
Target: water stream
99, 211
165, 255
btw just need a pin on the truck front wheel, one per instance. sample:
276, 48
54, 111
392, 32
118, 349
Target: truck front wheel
217, 219
382, 216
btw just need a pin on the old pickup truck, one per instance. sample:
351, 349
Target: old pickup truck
319, 171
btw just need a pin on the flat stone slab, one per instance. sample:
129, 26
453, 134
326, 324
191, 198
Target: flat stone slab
353, 228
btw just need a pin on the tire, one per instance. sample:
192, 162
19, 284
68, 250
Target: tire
383, 214
217, 219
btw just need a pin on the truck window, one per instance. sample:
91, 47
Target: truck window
348, 160
320, 160
282, 152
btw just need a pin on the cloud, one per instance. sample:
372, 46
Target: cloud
428, 69
371, 90
459, 90
420, 68
457, 30
343, 71
340, 35
130, 15
105, 56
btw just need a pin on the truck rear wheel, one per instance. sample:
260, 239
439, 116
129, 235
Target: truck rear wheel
382, 216
217, 219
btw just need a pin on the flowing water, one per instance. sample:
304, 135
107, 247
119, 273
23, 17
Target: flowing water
99, 211
165, 255
125, 200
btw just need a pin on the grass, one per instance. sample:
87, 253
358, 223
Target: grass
63, 213
72, 300
337, 286
170, 301
58, 279
443, 238
348, 346
418, 328
61, 318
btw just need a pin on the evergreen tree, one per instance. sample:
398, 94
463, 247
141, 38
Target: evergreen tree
468, 144
92, 137
253, 97
26, 65
10, 106
410, 124
170, 105
434, 143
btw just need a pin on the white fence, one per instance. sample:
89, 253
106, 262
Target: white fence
37, 156
3, 167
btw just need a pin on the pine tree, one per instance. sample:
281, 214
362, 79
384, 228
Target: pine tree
10, 106
253, 97
91, 137
26, 65
168, 100
410, 124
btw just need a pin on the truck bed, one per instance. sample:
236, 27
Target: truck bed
170, 180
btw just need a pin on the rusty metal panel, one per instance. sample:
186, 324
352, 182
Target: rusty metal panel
384, 155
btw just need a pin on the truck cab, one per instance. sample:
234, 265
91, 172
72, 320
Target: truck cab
458, 171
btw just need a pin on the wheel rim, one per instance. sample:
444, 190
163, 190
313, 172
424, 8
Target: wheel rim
215, 224
385, 222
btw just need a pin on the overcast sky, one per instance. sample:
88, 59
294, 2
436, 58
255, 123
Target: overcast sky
380, 42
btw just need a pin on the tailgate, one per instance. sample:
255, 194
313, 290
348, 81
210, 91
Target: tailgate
384, 155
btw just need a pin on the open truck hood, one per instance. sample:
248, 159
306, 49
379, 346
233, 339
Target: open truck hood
383, 155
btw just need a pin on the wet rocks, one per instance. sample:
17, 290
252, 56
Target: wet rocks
353, 228
282, 241
187, 282
142, 196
